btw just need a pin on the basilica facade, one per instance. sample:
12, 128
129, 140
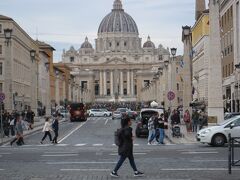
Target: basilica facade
119, 67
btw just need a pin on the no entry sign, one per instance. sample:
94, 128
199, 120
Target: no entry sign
171, 95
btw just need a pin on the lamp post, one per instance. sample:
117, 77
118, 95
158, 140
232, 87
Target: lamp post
173, 74
33, 58
8, 69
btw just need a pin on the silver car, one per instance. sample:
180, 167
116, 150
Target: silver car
117, 115
99, 113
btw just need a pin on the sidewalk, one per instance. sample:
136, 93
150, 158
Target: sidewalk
38, 125
187, 137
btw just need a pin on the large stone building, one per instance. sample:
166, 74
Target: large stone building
119, 67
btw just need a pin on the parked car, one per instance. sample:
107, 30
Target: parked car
144, 116
218, 135
117, 115
230, 115
77, 112
64, 112
99, 113
129, 112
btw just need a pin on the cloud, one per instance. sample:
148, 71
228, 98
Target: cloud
65, 22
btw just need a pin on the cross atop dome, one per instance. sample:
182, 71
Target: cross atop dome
117, 5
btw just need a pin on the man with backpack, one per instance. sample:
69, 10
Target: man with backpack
125, 147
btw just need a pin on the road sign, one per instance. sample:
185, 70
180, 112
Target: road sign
2, 97
171, 95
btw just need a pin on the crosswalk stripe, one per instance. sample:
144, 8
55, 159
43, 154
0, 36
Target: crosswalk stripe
80, 144
97, 144
62, 144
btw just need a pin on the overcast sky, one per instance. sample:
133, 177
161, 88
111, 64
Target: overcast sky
63, 23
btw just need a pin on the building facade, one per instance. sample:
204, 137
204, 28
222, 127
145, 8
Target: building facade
19, 56
119, 67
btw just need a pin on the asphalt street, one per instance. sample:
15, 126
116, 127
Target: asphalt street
86, 150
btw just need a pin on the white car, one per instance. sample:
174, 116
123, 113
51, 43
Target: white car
218, 135
99, 113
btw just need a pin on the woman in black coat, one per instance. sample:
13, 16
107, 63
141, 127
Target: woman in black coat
125, 149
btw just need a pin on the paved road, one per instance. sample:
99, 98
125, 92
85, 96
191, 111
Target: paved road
86, 151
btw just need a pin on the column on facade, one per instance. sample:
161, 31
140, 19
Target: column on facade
128, 82
100, 83
132, 83
121, 82
104, 83
111, 83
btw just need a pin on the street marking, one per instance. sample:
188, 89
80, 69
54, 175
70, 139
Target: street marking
0, 155
60, 152
58, 155
97, 144
85, 169
208, 160
196, 169
61, 145
5, 153
114, 145
79, 145
1, 169
116, 154
62, 163
106, 122
72, 132
136, 144
195, 152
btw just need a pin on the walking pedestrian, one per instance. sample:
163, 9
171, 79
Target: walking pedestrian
125, 149
187, 120
19, 132
161, 129
151, 128
55, 128
46, 129
30, 118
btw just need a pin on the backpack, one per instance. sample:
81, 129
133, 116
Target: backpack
117, 137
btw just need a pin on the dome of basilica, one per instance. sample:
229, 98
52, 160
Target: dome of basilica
118, 21
86, 44
149, 43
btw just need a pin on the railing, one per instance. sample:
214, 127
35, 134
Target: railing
232, 141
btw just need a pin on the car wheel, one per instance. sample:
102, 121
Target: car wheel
218, 140
105, 115
91, 115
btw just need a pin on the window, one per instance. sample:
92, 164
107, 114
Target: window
108, 92
110, 44
117, 43
178, 87
125, 43
0, 28
124, 59
160, 57
223, 72
71, 59
0, 49
96, 89
1, 68
85, 59
147, 58
125, 91
108, 59
1, 87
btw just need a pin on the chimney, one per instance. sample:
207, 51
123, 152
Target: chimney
200, 7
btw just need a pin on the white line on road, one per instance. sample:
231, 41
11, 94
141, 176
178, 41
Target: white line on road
208, 160
62, 163
61, 144
80, 145
195, 152
116, 154
53, 152
58, 155
136, 144
4, 153
97, 144
72, 132
85, 169
1, 169
196, 169
44, 145
106, 122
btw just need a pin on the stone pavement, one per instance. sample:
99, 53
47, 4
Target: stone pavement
38, 125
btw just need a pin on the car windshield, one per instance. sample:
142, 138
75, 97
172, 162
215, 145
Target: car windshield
229, 120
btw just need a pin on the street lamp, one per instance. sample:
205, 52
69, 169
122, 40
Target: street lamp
173, 51
32, 54
8, 35
186, 30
